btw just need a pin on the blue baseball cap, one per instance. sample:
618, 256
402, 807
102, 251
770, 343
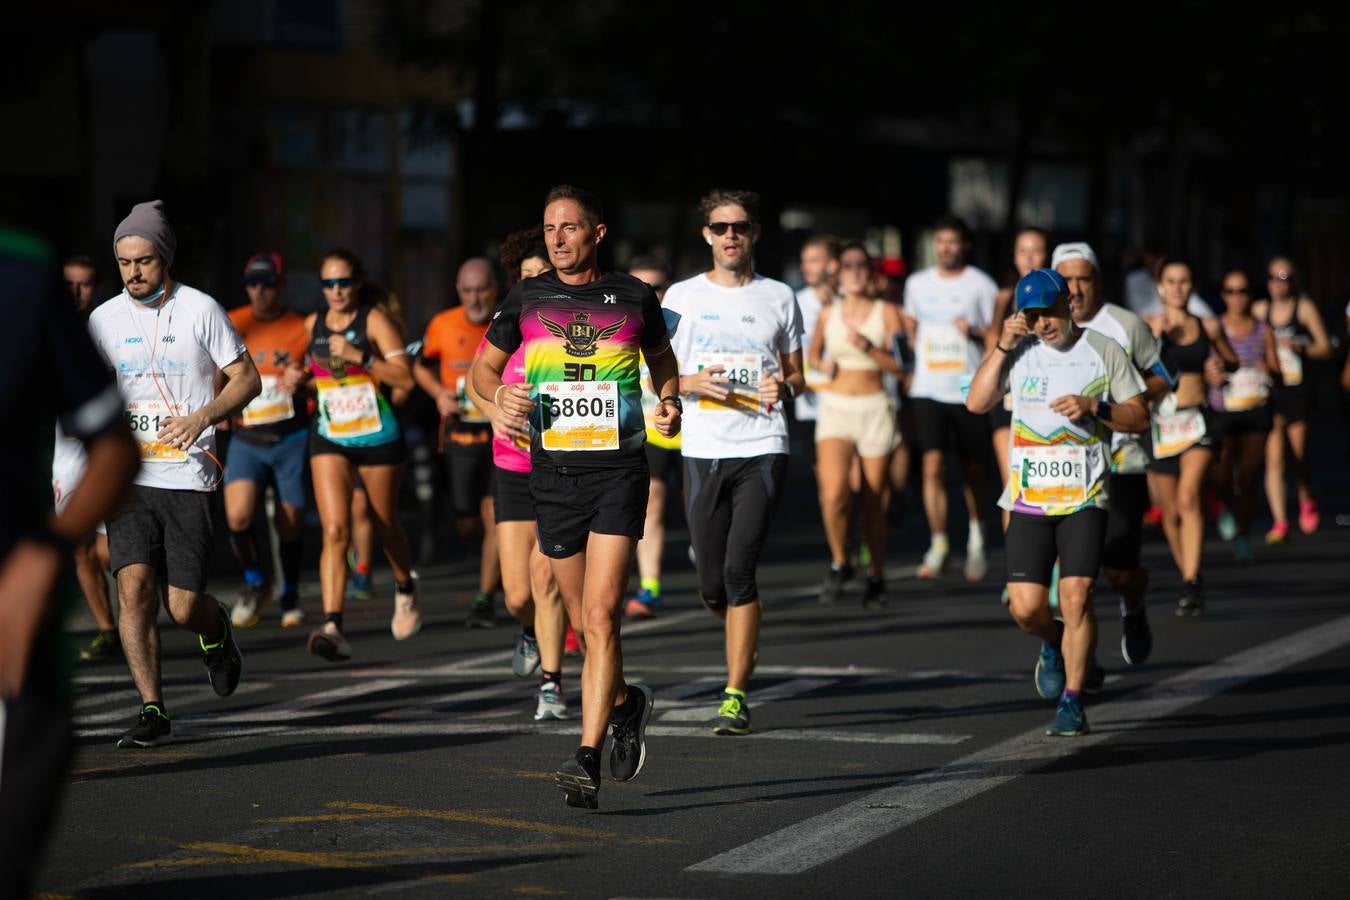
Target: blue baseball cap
1039, 289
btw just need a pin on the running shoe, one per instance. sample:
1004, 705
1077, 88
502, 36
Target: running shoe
580, 785
630, 745
934, 561
1049, 674
525, 659
105, 645
329, 643
733, 716
290, 618
1242, 549
1227, 525
1136, 637
571, 645
1192, 602
359, 586
407, 619
1070, 720
551, 704
1308, 517
482, 615
1095, 679
1278, 534
833, 588
977, 565
248, 608
224, 662
151, 727
874, 595
642, 605
1153, 517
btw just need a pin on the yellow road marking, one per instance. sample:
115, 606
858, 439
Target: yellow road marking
536, 889
380, 810
520, 773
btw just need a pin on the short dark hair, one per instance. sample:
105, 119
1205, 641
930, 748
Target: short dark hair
83, 260
589, 203
746, 200
1175, 261
950, 222
827, 241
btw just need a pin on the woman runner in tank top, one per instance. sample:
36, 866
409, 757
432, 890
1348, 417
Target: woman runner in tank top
1242, 414
1299, 335
1183, 434
353, 349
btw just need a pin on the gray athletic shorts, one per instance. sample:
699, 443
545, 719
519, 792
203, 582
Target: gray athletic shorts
170, 530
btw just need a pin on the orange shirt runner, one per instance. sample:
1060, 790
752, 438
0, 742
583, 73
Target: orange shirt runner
275, 345
452, 339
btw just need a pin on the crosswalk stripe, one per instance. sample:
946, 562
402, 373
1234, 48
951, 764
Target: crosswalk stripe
315, 704
173, 701
782, 691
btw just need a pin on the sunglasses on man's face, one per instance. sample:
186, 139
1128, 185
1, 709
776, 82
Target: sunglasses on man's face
742, 228
337, 282
270, 281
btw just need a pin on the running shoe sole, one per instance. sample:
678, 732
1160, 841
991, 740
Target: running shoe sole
729, 726
323, 646
1081, 730
579, 789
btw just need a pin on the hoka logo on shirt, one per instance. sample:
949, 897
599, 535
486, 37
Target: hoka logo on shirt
580, 336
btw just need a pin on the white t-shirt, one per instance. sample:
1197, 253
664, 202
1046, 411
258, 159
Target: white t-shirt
68, 462
1128, 456
808, 301
193, 338
745, 329
943, 355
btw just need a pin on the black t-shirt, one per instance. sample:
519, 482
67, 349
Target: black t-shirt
581, 346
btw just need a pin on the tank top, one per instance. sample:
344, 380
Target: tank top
1246, 388
1188, 358
1291, 357
351, 410
839, 348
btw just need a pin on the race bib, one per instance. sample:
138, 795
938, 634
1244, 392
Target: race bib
1176, 431
580, 415
1245, 389
270, 406
944, 348
144, 418
1291, 365
353, 409
742, 370
468, 412
1054, 475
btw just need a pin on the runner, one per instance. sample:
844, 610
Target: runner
68, 462
1241, 401
51, 370
820, 271
1127, 485
355, 346
856, 423
1183, 430
466, 435
527, 582
947, 308
270, 440
664, 464
582, 331
1299, 335
168, 344
738, 339
1070, 387
1031, 250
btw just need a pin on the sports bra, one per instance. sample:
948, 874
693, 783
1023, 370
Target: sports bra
1189, 357
1291, 330
839, 348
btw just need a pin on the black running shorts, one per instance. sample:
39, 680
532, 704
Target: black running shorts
1125, 521
950, 427
469, 467
570, 505
1033, 543
169, 530
511, 498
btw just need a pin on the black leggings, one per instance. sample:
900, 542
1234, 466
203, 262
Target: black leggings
729, 504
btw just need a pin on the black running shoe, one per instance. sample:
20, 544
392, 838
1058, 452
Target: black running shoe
483, 614
1136, 638
630, 746
1192, 602
580, 786
104, 646
833, 588
874, 595
224, 663
152, 727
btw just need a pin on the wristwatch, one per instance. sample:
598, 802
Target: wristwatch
671, 398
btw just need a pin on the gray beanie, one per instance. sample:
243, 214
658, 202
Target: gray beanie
147, 220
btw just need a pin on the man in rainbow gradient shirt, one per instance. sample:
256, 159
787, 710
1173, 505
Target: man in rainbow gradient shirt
583, 331
1071, 388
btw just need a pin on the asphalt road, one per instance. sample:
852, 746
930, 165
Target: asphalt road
895, 753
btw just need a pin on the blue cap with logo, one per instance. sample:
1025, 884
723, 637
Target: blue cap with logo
1039, 289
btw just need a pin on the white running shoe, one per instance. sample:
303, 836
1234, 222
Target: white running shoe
329, 643
552, 704
977, 566
248, 608
407, 619
290, 618
934, 561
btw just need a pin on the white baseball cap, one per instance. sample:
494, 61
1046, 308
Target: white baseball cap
1074, 250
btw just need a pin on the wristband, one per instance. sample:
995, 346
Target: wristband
679, 404
1104, 410
998, 346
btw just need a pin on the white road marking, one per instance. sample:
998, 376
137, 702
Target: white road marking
310, 705
175, 702
829, 836
435, 705
689, 711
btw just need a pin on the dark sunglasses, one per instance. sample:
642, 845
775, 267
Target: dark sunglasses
269, 281
337, 282
1241, 290
742, 228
